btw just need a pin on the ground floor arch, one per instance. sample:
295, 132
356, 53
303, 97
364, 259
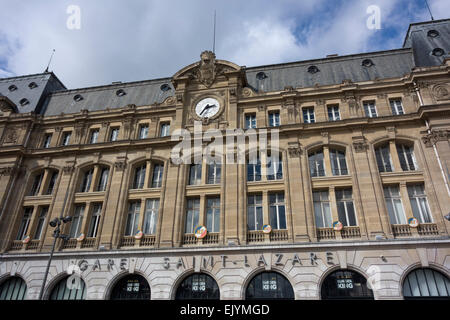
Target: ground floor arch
198, 286
345, 284
269, 285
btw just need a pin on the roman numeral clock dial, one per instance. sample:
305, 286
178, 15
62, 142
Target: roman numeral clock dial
207, 108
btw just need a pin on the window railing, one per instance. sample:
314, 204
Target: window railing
70, 244
255, 236
16, 245
325, 234
127, 241
189, 238
279, 235
148, 241
88, 243
428, 229
401, 230
33, 245
350, 232
211, 238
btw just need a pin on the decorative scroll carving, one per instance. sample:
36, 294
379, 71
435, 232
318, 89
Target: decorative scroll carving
11, 136
120, 165
441, 91
68, 169
436, 135
360, 146
247, 92
7, 171
295, 151
261, 108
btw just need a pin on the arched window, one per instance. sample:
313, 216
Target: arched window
338, 163
316, 163
406, 157
269, 285
198, 286
274, 167
103, 179
13, 288
87, 180
426, 283
132, 287
69, 288
139, 176
158, 170
383, 157
254, 168
345, 284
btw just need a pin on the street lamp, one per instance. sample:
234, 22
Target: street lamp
55, 223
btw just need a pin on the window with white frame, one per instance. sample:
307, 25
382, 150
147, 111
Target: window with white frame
308, 115
158, 170
345, 207
274, 167
214, 173
277, 214
383, 157
52, 182
66, 138
406, 157
338, 163
195, 174
25, 223
94, 136
213, 214
254, 213
87, 180
134, 209
254, 169
250, 121
333, 113
316, 163
139, 177
151, 216
419, 203
274, 119
77, 221
143, 131
322, 210
36, 184
95, 220
103, 181
40, 223
370, 109
47, 140
114, 134
165, 129
396, 106
192, 215
394, 205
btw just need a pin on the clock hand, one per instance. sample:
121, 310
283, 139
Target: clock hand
207, 107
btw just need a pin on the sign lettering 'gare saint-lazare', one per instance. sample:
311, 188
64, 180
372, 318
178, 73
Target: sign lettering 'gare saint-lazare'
261, 260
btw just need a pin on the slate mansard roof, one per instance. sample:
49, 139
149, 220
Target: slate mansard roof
52, 98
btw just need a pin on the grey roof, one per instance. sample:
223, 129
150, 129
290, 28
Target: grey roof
386, 64
46, 82
102, 97
417, 38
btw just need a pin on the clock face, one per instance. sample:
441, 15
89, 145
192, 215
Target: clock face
207, 108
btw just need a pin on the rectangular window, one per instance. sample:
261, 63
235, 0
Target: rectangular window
406, 157
383, 157
308, 115
40, 223
277, 216
214, 173
133, 218
52, 182
396, 106
139, 177
333, 113
192, 215
95, 220
77, 220
47, 140
195, 174
338, 163
103, 181
274, 168
87, 180
254, 169
213, 214
36, 184
346, 210
25, 223
114, 134
254, 213
370, 109
158, 170
316, 164
151, 216
322, 210
250, 121
143, 131
419, 203
165, 130
394, 205
274, 119
94, 136
66, 138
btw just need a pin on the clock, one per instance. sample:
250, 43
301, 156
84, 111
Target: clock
207, 108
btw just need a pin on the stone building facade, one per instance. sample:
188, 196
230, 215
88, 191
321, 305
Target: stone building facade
363, 140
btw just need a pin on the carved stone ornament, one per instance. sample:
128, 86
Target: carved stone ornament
7, 171
11, 136
7, 105
441, 92
206, 71
120, 165
436, 135
295, 151
247, 92
68, 169
360, 146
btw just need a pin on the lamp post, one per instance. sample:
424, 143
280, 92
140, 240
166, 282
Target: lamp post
56, 234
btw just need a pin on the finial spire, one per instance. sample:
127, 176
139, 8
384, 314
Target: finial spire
48, 65
429, 10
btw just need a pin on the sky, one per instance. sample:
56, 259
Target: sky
97, 42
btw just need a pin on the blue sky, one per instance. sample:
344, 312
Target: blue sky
136, 40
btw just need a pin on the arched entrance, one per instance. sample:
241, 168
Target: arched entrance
426, 283
69, 288
345, 284
131, 287
198, 286
13, 288
269, 285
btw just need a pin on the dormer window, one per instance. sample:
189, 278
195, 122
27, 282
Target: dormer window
433, 33
165, 87
438, 52
12, 88
261, 76
78, 97
24, 102
32, 85
367, 63
313, 69
120, 93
